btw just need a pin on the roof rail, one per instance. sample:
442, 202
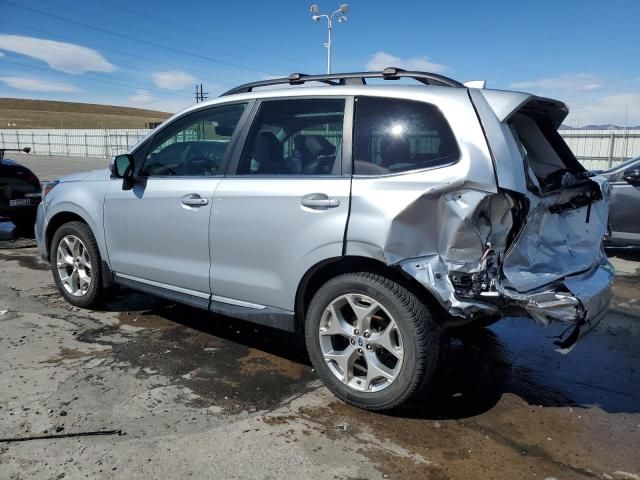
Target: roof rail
355, 78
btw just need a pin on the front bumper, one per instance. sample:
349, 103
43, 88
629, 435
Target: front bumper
580, 301
39, 230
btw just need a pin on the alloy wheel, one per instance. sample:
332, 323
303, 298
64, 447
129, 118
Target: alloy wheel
361, 343
74, 265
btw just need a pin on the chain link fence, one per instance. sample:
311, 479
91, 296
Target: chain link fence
596, 149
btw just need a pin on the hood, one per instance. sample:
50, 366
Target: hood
91, 176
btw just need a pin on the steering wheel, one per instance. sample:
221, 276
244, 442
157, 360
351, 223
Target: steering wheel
198, 165
159, 169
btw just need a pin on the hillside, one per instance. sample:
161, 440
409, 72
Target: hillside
49, 114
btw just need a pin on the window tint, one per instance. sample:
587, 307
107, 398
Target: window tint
195, 146
394, 135
295, 137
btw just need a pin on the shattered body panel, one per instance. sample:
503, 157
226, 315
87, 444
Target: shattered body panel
483, 236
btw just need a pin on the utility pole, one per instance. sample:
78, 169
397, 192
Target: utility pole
316, 16
201, 95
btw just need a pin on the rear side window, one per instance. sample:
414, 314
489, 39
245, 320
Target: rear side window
393, 135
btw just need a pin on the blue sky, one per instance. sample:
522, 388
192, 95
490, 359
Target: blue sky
150, 54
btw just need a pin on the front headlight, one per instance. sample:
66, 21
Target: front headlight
48, 186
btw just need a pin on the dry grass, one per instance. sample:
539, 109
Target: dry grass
49, 114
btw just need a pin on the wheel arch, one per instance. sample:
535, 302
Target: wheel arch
327, 269
66, 216
56, 222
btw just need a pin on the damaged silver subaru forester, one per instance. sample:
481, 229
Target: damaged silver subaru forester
368, 217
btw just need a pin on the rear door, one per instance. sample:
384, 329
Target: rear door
286, 206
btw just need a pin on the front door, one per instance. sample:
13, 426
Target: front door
285, 208
158, 231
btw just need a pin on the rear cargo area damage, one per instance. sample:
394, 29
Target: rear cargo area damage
536, 252
505, 253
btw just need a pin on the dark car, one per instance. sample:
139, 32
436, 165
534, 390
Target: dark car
20, 191
624, 207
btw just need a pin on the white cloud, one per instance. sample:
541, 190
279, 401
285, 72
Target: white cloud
66, 57
142, 97
36, 85
382, 60
609, 109
173, 79
570, 82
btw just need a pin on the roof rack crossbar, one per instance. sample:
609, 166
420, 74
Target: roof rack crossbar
355, 78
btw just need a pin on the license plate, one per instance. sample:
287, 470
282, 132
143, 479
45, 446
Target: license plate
20, 202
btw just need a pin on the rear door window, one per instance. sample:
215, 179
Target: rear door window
393, 135
295, 137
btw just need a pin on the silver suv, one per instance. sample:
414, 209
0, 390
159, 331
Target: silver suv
368, 217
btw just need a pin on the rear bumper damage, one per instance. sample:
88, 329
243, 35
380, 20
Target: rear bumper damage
579, 301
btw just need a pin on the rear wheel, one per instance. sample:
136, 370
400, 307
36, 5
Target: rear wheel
76, 264
372, 342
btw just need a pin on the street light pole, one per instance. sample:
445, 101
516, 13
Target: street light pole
316, 16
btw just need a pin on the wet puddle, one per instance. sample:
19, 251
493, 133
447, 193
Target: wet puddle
225, 362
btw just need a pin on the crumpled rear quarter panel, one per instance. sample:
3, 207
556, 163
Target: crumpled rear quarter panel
425, 217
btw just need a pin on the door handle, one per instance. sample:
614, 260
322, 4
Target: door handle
194, 200
319, 201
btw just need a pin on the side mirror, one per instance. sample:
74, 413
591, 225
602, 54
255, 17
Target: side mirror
124, 166
632, 175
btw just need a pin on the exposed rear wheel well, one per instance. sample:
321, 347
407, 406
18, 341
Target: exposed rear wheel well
56, 222
319, 274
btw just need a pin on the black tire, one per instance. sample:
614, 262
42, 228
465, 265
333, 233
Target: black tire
419, 331
94, 294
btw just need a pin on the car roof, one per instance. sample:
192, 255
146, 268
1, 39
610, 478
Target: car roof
430, 88
502, 102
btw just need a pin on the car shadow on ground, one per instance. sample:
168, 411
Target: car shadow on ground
474, 371
280, 343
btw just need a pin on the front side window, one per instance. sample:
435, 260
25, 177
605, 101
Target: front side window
393, 135
194, 146
295, 137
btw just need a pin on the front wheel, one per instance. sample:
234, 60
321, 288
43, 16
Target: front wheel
372, 342
76, 264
